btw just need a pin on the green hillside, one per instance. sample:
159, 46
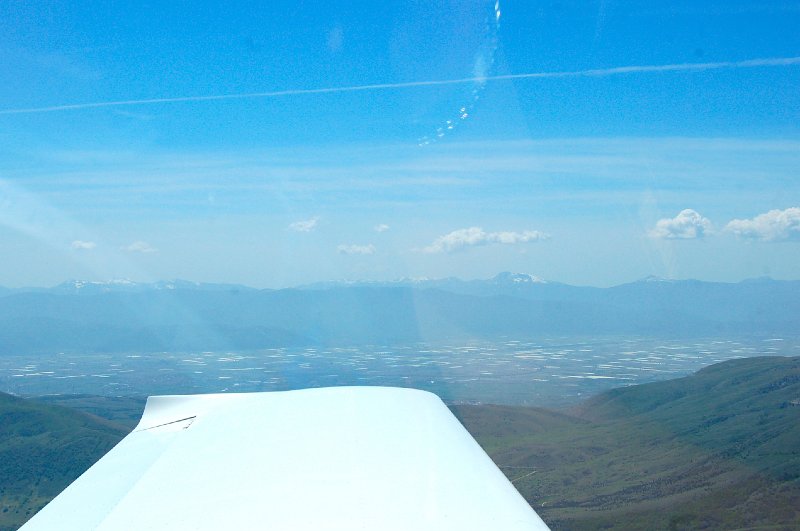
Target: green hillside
43, 448
719, 449
123, 411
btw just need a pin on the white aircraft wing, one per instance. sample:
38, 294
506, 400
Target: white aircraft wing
371, 458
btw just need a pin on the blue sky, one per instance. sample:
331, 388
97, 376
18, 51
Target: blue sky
683, 165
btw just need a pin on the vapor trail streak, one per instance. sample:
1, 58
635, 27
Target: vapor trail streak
600, 72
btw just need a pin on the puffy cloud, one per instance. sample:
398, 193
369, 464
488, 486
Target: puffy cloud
305, 225
381, 227
81, 245
356, 249
461, 238
772, 226
140, 247
687, 225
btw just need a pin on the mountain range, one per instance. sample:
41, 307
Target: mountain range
180, 315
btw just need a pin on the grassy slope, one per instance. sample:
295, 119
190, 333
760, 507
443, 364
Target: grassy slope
718, 449
122, 410
43, 448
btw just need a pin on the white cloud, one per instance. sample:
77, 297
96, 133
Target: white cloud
775, 225
306, 225
356, 249
687, 225
82, 245
461, 238
140, 247
382, 227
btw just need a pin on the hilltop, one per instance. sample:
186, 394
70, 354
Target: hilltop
717, 449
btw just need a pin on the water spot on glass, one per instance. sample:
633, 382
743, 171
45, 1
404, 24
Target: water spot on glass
482, 66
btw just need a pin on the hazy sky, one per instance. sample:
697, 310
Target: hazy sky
585, 142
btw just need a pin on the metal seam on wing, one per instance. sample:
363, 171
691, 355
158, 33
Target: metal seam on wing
168, 423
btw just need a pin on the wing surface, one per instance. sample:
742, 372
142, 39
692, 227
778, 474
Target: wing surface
330, 458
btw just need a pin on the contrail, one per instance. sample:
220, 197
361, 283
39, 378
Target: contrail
599, 72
